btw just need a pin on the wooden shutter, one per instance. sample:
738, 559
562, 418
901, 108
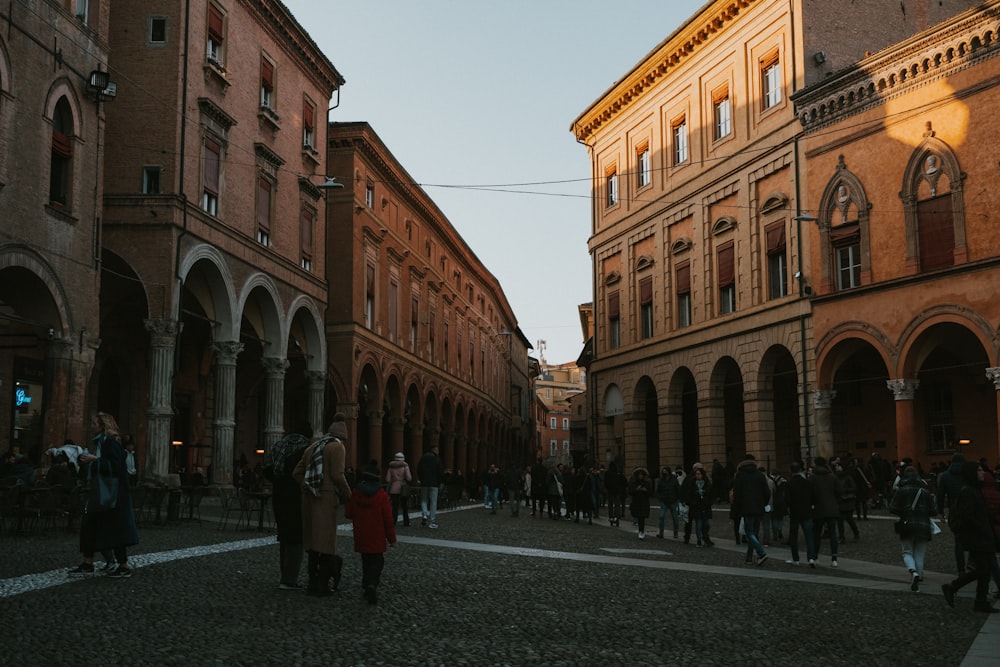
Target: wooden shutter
646, 290
215, 23
845, 234
266, 74
306, 233
264, 205
308, 113
370, 282
684, 278
614, 305
775, 238
727, 265
935, 233
212, 152
61, 144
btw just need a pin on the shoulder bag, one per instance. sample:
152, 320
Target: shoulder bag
902, 527
103, 490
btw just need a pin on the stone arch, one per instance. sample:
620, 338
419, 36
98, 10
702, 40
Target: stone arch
260, 304
208, 263
915, 335
838, 344
16, 256
304, 317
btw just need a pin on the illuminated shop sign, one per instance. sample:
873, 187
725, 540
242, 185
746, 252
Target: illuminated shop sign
21, 397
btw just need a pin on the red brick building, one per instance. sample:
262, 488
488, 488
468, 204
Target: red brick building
424, 347
52, 130
212, 286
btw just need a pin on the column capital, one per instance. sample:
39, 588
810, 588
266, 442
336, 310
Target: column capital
903, 389
316, 377
163, 332
274, 366
993, 375
226, 351
823, 398
375, 417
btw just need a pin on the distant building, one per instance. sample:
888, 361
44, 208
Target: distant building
704, 343
424, 347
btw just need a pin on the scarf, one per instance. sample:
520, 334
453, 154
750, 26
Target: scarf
313, 478
286, 453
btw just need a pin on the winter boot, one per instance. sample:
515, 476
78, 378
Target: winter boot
337, 566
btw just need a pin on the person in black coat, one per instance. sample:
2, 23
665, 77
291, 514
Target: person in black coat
826, 507
799, 498
639, 488
972, 527
615, 487
751, 494
286, 499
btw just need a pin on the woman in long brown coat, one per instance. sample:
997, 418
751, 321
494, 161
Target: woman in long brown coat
324, 489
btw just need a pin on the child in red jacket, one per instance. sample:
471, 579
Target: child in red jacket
371, 512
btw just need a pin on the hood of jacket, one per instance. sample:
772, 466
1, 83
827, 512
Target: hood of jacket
369, 487
398, 464
747, 466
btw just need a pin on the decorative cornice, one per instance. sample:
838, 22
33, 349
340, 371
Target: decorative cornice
267, 155
216, 113
676, 49
954, 45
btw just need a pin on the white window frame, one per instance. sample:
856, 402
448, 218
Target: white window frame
852, 269
771, 84
644, 168
611, 186
680, 136
722, 110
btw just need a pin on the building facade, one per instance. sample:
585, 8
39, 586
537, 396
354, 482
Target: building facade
424, 348
704, 344
53, 126
902, 253
212, 287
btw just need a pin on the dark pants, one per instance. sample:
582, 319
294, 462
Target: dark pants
848, 516
290, 562
371, 569
400, 502
555, 506
981, 575
807, 532
88, 541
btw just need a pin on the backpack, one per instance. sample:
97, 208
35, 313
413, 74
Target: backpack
957, 521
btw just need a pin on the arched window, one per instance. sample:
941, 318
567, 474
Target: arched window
61, 161
933, 207
844, 233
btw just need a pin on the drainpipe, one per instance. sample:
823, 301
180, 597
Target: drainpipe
182, 156
591, 374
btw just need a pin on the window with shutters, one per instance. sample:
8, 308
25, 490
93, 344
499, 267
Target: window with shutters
61, 155
369, 193
846, 242
611, 187
726, 260
935, 233
151, 179
308, 125
679, 134
307, 222
393, 310
212, 158
643, 166
264, 206
770, 80
215, 51
370, 296
683, 287
646, 306
777, 269
614, 320
414, 320
267, 96
722, 111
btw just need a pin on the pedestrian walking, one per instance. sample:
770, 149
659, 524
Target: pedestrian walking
639, 488
615, 487
800, 515
668, 492
949, 484
750, 495
320, 472
700, 495
970, 522
826, 507
914, 505
430, 474
371, 514
286, 499
398, 477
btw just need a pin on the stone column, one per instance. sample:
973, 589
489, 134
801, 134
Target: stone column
395, 438
446, 449
993, 375
416, 442
822, 411
224, 410
904, 391
317, 395
274, 401
758, 421
163, 335
459, 455
69, 362
375, 418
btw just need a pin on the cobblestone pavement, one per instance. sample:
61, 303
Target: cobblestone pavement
488, 590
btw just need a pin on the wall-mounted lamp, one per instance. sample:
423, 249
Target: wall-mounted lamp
176, 443
819, 57
99, 85
964, 442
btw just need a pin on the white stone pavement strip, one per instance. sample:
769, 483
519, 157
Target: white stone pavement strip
34, 582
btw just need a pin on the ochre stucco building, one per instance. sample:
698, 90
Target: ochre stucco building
705, 342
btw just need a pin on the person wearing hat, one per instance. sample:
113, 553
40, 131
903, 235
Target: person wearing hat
370, 511
398, 478
320, 472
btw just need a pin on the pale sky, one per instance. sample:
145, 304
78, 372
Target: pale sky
473, 97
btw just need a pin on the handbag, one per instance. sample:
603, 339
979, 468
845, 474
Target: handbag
935, 528
683, 513
103, 490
